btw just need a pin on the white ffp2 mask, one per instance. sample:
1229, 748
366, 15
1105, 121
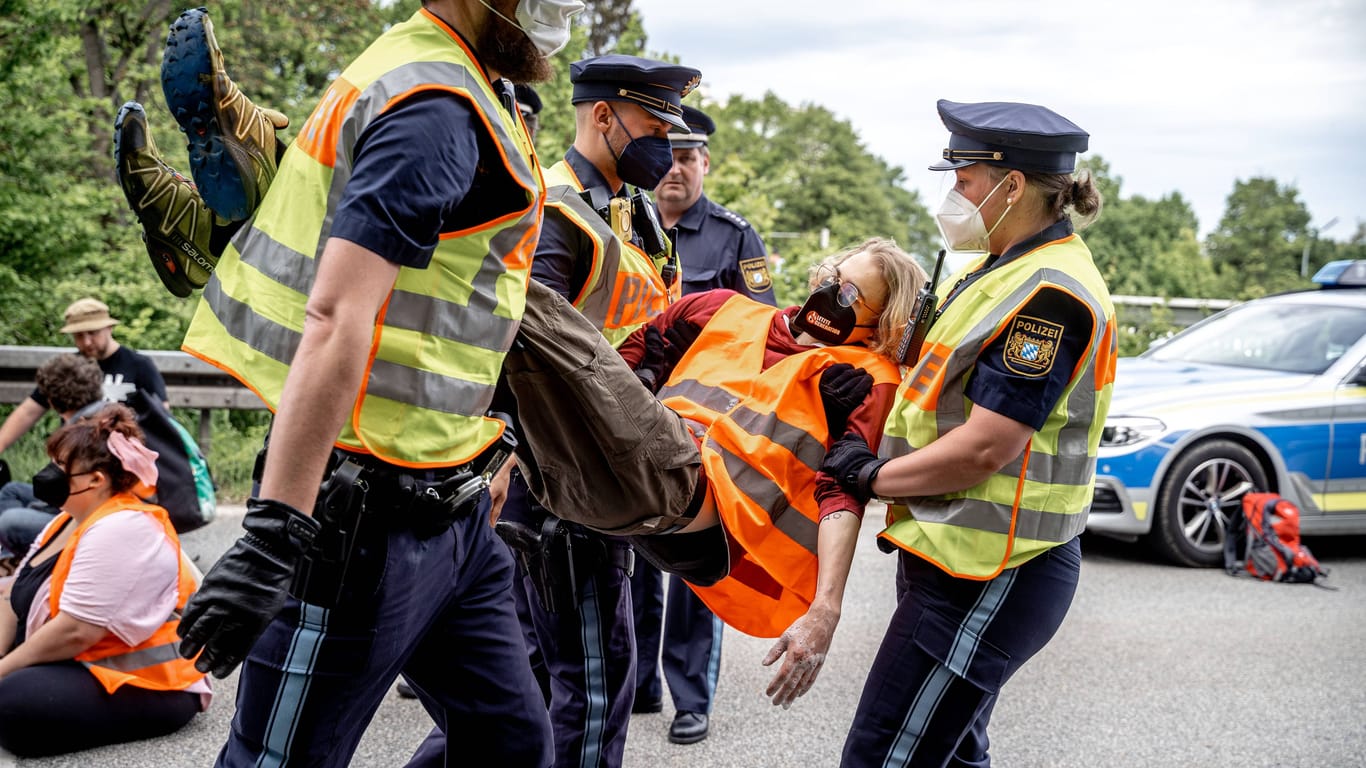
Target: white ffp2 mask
960, 222
546, 23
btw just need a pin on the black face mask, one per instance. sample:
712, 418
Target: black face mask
51, 486
824, 318
645, 160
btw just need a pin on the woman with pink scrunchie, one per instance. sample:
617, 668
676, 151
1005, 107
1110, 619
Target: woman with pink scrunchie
88, 637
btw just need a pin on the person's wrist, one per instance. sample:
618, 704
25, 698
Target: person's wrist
867, 474
280, 526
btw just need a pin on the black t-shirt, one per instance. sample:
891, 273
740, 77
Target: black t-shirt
124, 371
25, 588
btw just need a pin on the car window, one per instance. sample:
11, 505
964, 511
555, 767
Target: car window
1293, 338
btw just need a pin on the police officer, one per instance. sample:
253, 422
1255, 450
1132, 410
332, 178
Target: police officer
529, 104
380, 377
717, 249
602, 248
988, 457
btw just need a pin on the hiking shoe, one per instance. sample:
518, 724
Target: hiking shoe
233, 149
176, 225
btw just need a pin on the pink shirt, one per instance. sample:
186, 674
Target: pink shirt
123, 578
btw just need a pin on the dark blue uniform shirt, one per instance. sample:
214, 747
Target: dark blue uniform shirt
719, 249
996, 385
420, 171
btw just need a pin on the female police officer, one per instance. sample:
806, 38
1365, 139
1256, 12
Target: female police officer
989, 453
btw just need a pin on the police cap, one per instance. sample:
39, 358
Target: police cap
658, 86
699, 128
528, 101
1025, 137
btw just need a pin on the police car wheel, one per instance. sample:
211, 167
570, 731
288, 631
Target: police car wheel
1202, 488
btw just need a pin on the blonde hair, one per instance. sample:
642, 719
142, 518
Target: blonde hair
903, 278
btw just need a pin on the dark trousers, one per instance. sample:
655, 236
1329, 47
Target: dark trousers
950, 646
588, 651
690, 636
53, 709
439, 610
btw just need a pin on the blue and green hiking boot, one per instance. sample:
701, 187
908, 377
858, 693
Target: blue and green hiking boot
232, 143
177, 226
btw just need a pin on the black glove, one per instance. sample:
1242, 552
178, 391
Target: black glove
652, 370
246, 587
853, 465
680, 337
843, 389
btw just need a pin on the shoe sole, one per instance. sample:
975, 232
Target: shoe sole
172, 276
187, 79
687, 739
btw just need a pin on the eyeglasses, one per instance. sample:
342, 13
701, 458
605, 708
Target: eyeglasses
849, 293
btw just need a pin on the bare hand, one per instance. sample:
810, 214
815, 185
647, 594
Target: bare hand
498, 489
805, 644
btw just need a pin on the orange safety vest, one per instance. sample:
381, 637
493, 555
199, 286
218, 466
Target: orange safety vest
764, 437
155, 663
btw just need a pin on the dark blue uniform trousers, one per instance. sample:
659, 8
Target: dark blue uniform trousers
950, 646
440, 611
587, 651
689, 633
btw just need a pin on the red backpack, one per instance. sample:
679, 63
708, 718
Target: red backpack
1263, 538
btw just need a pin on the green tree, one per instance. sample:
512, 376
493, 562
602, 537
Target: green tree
1260, 240
65, 67
1146, 247
796, 171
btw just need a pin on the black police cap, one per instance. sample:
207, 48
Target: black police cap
528, 100
700, 126
1026, 137
658, 86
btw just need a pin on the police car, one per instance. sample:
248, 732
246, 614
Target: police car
1267, 395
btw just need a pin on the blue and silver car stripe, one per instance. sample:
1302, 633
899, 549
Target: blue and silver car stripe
960, 656
594, 676
296, 674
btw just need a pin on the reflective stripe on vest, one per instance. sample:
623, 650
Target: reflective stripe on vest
441, 335
764, 439
155, 663
1041, 498
623, 289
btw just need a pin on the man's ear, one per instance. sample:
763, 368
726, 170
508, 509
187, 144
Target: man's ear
602, 116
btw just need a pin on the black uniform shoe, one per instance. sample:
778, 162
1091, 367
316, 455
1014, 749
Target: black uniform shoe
646, 706
688, 728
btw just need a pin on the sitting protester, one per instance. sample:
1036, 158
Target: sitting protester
68, 383
104, 584
736, 506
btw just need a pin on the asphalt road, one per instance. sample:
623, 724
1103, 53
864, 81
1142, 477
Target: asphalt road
1154, 666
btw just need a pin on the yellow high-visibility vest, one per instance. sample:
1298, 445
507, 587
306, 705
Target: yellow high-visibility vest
1040, 499
624, 288
441, 335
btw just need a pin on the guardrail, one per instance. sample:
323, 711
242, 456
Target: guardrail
190, 382
1185, 312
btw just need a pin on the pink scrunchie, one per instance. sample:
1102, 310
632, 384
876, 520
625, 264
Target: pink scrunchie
135, 457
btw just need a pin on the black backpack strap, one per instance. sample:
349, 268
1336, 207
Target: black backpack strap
1235, 542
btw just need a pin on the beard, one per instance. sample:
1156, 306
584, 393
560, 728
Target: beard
506, 49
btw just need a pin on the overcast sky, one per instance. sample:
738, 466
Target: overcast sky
1178, 95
